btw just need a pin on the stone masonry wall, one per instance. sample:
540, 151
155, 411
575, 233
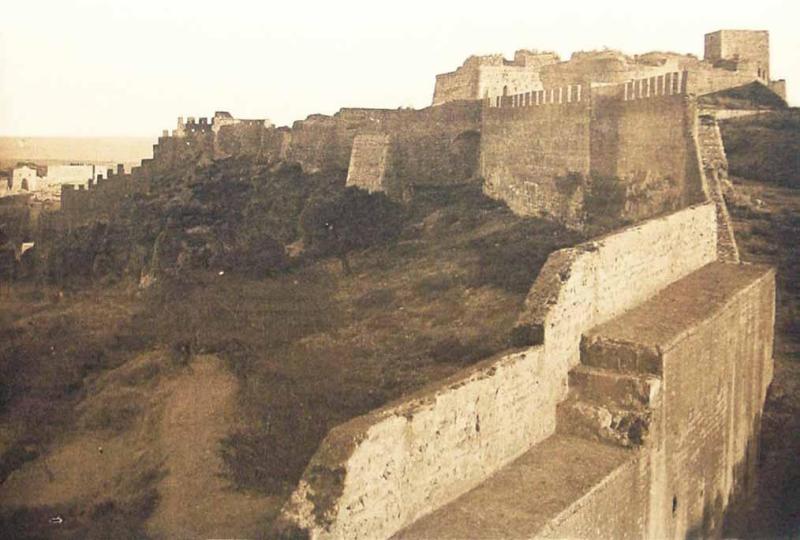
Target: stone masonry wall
101, 200
369, 160
506, 80
436, 145
456, 85
647, 140
378, 473
700, 459
540, 156
715, 383
581, 287
532, 153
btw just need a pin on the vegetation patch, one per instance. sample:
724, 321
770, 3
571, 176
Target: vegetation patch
765, 147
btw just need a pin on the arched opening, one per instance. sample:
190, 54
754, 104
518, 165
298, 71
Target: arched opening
505, 90
24, 185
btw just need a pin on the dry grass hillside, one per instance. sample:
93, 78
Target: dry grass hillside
765, 147
189, 409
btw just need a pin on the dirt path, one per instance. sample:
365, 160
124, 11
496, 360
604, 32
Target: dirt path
195, 500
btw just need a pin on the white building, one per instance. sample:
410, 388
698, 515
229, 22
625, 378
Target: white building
26, 179
76, 175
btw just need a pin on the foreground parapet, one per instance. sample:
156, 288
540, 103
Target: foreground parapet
633, 410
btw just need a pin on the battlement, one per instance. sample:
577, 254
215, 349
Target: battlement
675, 83
564, 94
204, 125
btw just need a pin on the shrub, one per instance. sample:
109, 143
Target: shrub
604, 202
353, 219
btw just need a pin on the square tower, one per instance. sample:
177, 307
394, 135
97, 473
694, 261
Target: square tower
742, 50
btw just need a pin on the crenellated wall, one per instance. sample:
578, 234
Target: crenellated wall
534, 148
101, 199
541, 151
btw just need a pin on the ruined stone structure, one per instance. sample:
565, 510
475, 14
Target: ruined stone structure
632, 412
545, 136
732, 58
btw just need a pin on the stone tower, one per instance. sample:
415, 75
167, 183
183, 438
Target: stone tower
742, 50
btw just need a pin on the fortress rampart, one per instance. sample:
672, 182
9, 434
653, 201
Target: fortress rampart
102, 198
541, 151
490, 442
539, 132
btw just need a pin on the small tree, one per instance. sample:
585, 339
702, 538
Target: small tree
350, 220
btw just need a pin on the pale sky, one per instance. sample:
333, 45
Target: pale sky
105, 67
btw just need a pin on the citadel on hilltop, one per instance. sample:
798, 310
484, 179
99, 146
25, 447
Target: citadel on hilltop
540, 134
732, 58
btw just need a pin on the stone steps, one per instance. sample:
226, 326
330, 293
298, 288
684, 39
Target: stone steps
612, 403
595, 421
522, 499
623, 390
613, 416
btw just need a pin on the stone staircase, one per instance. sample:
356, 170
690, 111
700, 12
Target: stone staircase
715, 169
614, 421
609, 405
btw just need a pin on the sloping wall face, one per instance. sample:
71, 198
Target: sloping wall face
542, 159
368, 162
649, 145
715, 383
581, 287
700, 462
535, 157
378, 473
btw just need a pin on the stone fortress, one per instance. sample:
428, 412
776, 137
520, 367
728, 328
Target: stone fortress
536, 131
732, 58
631, 406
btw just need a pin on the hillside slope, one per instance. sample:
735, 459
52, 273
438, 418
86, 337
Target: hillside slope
299, 351
765, 147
